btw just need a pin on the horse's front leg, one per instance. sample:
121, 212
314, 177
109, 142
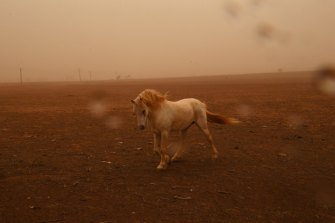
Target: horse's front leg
157, 143
165, 159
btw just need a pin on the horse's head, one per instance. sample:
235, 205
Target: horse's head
141, 110
146, 102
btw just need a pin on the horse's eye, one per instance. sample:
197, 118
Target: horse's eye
143, 112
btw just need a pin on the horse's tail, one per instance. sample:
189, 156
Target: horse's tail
217, 118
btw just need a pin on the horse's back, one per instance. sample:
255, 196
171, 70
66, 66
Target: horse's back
193, 102
196, 105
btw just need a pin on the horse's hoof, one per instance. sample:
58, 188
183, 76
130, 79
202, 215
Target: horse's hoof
167, 158
175, 159
215, 156
161, 167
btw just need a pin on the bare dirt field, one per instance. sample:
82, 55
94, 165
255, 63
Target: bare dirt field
59, 163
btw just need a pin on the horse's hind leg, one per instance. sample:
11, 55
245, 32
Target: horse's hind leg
177, 155
202, 124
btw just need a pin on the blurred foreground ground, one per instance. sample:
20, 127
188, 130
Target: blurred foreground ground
58, 163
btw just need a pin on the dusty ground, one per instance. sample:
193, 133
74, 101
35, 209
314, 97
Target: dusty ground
58, 163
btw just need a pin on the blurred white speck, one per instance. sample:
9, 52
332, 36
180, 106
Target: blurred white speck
289, 152
257, 2
294, 121
325, 80
108, 162
265, 30
282, 154
327, 86
98, 108
232, 8
244, 110
114, 122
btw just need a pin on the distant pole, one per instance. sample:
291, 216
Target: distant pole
21, 77
79, 74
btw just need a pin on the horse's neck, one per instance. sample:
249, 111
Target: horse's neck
158, 112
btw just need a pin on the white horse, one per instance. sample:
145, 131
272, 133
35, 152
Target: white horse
163, 116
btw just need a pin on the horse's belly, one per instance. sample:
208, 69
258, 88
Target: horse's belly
181, 126
182, 121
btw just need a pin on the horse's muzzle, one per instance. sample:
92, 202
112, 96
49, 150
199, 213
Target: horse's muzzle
141, 127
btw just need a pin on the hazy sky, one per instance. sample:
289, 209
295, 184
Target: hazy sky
51, 39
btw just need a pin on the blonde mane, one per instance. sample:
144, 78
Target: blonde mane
152, 98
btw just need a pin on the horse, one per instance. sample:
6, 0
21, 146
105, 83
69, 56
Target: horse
153, 110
